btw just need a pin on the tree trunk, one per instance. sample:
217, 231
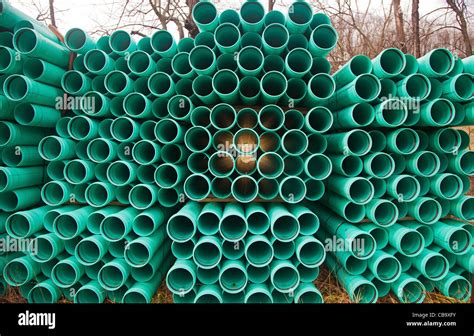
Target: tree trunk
189, 24
397, 9
415, 21
459, 8
52, 13
271, 3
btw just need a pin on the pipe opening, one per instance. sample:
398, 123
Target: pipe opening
269, 142
197, 139
167, 175
6, 59
246, 164
382, 165
271, 117
88, 251
354, 212
208, 223
294, 142
181, 65
227, 62
111, 276
139, 62
442, 112
113, 228
451, 186
361, 191
365, 293
459, 289
299, 60
441, 61
322, 86
411, 243
204, 13
267, 188
227, 35
160, 83
16, 87
459, 241
116, 82
250, 39
197, 187
137, 253
285, 278
33, 68
65, 274
276, 36
245, 189
73, 82
293, 190
324, 37
464, 86
198, 163
54, 193
428, 163
386, 213
351, 165
76, 39
363, 114
300, 13
223, 116
318, 166
180, 228
286, 228
467, 208
167, 131
250, 58
233, 228
296, 91
233, 279
221, 164
221, 187
120, 41
408, 188
142, 197
367, 87
202, 57
40, 294
355, 266
417, 86
259, 253
246, 141
96, 60
435, 267
293, 165
230, 16
392, 61
359, 142
360, 65
466, 162
273, 63
25, 40
311, 254
270, 165
249, 87
225, 82
119, 173
319, 119
97, 194
252, 12
247, 118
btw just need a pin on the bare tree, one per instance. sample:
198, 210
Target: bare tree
399, 24
271, 4
52, 13
459, 7
415, 22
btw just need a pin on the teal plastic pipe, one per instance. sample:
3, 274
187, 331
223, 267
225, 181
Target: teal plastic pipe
295, 92
101, 150
209, 218
404, 141
137, 105
203, 60
221, 164
56, 193
364, 88
43, 72
118, 83
207, 252
299, 18
258, 251
203, 89
16, 178
44, 292
462, 163
116, 226
233, 276
273, 63
292, 189
356, 66
173, 154
75, 83
147, 251
11, 63
436, 63
273, 86
463, 208
252, 14
78, 41
146, 152
358, 115
197, 139
143, 196
125, 129
180, 107
438, 113
309, 251
30, 43
284, 225
357, 189
323, 40
321, 88
423, 163
318, 166
382, 212
21, 156
389, 63
295, 143
205, 16
350, 211
391, 113
98, 62
71, 224
298, 63
231, 16
251, 39
226, 85
308, 293
181, 278
416, 86
114, 274
385, 267
169, 131
379, 165
79, 171
181, 65
186, 44
284, 276
91, 250
91, 292
181, 226
19, 271
408, 242
24, 224
122, 43
318, 120
445, 140
320, 65
258, 293
408, 289
404, 188
21, 89
454, 285
99, 194
67, 272
148, 221
83, 128
454, 239
447, 186
163, 44
250, 61
227, 38
459, 88
432, 265
141, 64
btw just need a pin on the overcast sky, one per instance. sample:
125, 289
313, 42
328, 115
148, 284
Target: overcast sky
86, 13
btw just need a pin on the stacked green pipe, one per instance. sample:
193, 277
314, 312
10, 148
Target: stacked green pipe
229, 150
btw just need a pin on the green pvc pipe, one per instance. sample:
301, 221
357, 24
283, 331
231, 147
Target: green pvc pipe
404, 188
455, 286
382, 212
390, 113
350, 211
82, 128
181, 65
116, 106
267, 188
251, 39
78, 41
358, 115
323, 40
292, 189
284, 276
432, 265
113, 274
463, 208
67, 272
389, 63
445, 140
141, 64
226, 85
321, 88
358, 190
19, 271
252, 14
21, 156
447, 186
317, 143
174, 154
91, 250
354, 142
320, 65
16, 178
146, 152
408, 242
98, 62
91, 292
408, 289
295, 92
221, 164
309, 251
122, 43
96, 104
120, 173
209, 218
31, 43
203, 89
284, 225
125, 129
271, 118
43, 72
250, 61
203, 60
143, 196
233, 276
364, 88
116, 226
181, 227
423, 163
459, 88
318, 120
163, 44
118, 83
462, 163
184, 250
258, 293
436, 63
197, 139
230, 16
180, 107
21, 89
314, 189
198, 163
454, 239
416, 86
20, 199
205, 16
137, 105
76, 83
258, 251
379, 165
169, 131
70, 224
298, 63
299, 18
186, 44
209, 294
99, 194
438, 113
270, 165
404, 141
55, 193
273, 63
295, 143
356, 66
208, 276
385, 267
148, 221
318, 166
44, 292
181, 278
147, 252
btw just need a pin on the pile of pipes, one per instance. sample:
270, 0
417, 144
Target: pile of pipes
231, 164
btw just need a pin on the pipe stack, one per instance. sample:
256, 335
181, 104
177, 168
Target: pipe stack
231, 165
